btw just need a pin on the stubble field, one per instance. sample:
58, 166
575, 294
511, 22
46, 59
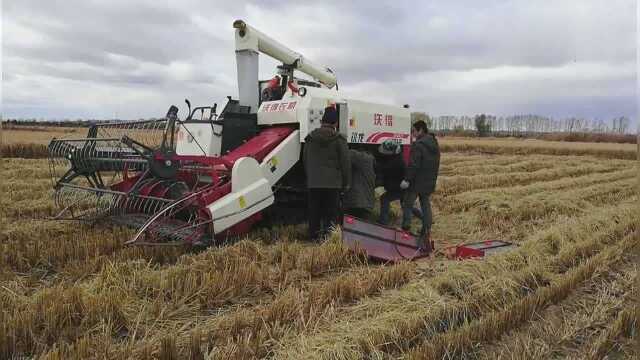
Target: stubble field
571, 288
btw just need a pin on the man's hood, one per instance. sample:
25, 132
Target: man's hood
324, 135
430, 142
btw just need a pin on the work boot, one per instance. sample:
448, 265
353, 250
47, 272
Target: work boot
425, 244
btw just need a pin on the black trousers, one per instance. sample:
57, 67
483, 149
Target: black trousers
324, 211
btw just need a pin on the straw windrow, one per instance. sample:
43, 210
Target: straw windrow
69, 291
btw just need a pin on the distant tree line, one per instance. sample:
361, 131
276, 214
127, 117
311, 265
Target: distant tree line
59, 123
62, 123
522, 125
481, 125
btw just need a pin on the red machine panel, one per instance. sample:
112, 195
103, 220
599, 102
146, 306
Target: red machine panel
482, 249
380, 242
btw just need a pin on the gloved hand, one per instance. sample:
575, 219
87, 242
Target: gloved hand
404, 185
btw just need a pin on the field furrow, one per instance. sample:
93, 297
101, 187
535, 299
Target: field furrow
568, 290
452, 185
504, 165
253, 332
569, 202
450, 161
496, 146
454, 296
587, 325
495, 324
481, 197
198, 284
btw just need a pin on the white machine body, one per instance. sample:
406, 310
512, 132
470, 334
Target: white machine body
250, 193
199, 138
301, 107
363, 123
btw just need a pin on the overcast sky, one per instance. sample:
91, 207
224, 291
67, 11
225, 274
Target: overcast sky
132, 59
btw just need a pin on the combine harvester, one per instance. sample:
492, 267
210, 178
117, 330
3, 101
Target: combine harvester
200, 180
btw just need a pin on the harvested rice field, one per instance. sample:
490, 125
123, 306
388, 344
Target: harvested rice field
571, 289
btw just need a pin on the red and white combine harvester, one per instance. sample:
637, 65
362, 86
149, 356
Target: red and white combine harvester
199, 180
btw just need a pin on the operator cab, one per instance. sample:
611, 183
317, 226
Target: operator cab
205, 133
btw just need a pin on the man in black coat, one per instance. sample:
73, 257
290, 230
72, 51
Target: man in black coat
391, 168
360, 199
328, 171
420, 178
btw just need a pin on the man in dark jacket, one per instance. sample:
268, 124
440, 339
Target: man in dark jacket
360, 199
391, 168
328, 170
420, 179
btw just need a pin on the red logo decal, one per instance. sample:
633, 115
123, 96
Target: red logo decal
378, 137
283, 106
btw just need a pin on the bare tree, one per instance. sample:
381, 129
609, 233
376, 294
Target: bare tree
419, 115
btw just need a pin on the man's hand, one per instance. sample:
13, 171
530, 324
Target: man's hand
404, 185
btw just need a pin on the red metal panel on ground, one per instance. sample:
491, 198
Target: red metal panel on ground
379, 242
481, 249
463, 252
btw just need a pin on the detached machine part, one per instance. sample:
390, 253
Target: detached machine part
381, 242
208, 176
481, 249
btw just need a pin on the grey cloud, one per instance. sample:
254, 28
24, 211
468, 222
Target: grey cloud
87, 31
137, 75
147, 54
